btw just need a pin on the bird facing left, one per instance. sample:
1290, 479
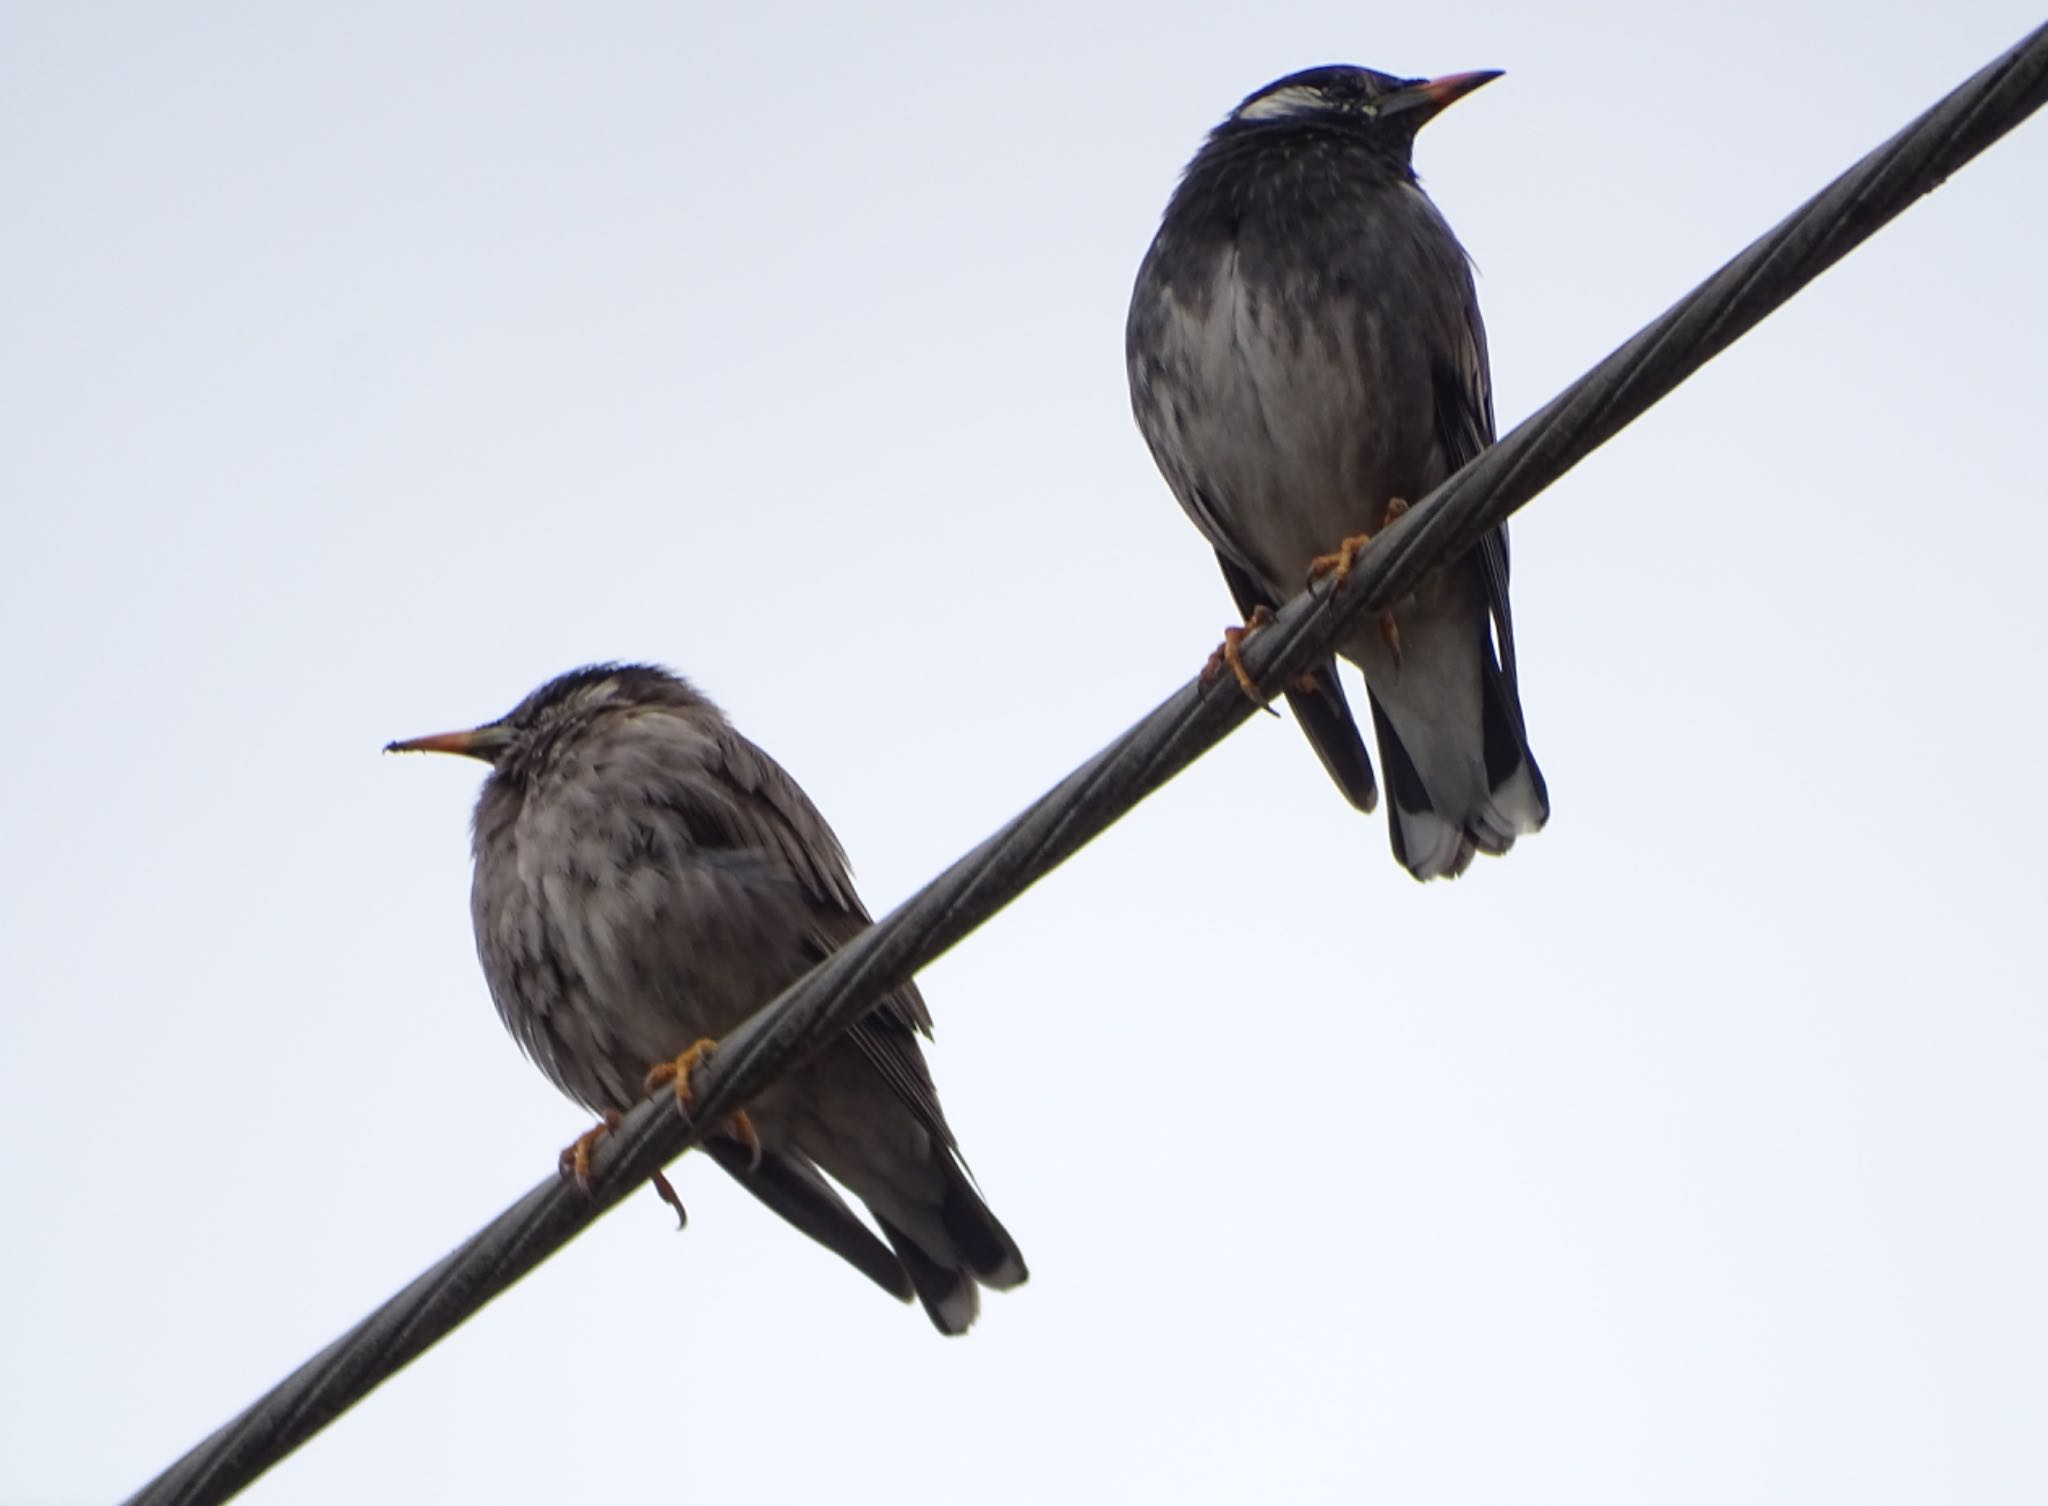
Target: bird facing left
645, 879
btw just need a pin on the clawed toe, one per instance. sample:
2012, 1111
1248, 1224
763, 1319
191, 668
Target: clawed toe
1231, 655
680, 1072
574, 1163
1338, 566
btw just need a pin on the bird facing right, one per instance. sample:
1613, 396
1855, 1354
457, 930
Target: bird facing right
1306, 358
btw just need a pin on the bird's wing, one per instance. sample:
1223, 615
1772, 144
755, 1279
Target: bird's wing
789, 1185
1464, 423
772, 814
1322, 713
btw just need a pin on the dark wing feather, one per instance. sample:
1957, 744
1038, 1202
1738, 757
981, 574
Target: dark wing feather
792, 1187
1464, 423
1322, 713
773, 814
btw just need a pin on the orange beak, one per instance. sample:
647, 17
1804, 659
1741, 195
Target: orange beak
485, 742
1428, 98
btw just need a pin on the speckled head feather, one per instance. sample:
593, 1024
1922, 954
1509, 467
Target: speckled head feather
570, 702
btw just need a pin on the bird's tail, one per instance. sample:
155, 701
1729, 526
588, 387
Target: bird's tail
1460, 776
789, 1184
952, 1249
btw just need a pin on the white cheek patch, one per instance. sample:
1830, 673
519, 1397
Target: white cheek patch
1296, 99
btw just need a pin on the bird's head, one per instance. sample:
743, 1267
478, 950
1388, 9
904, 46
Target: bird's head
561, 707
1376, 105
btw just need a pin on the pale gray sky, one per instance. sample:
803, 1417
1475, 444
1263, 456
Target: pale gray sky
360, 369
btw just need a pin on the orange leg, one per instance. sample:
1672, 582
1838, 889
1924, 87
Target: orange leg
679, 1071
741, 1128
1231, 654
575, 1158
575, 1164
1390, 630
667, 1193
1340, 563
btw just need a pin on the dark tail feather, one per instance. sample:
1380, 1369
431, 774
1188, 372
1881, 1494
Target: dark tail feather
949, 1295
980, 1238
1325, 720
794, 1188
982, 1254
1434, 842
1521, 800
1425, 843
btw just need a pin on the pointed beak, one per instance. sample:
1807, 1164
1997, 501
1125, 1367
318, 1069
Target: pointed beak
485, 742
1427, 99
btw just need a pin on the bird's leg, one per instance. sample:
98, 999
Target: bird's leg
664, 1190
575, 1158
679, 1072
741, 1128
1232, 654
575, 1164
1390, 634
1390, 630
1340, 563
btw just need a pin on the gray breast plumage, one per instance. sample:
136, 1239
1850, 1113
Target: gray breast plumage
1282, 368
609, 937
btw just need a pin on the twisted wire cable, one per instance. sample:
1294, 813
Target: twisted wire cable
1194, 719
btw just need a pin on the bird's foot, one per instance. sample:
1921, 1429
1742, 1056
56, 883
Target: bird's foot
1338, 564
574, 1161
1390, 630
1231, 655
741, 1128
680, 1071
666, 1191
575, 1165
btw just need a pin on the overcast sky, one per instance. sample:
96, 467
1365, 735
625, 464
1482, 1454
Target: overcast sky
361, 367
